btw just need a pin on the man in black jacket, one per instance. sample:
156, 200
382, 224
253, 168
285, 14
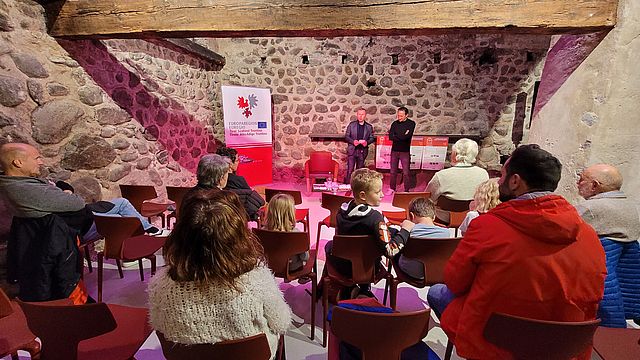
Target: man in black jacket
401, 133
359, 136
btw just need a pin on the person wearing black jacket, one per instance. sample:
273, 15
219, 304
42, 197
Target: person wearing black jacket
400, 134
251, 200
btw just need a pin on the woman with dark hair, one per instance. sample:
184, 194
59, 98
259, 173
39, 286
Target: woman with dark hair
216, 285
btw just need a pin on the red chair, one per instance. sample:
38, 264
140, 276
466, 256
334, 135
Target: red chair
451, 213
14, 333
279, 247
302, 215
93, 331
380, 336
528, 338
138, 196
402, 200
254, 347
432, 253
176, 194
125, 241
364, 254
332, 203
617, 344
320, 166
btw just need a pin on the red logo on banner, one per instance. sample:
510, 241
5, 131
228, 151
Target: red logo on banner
245, 105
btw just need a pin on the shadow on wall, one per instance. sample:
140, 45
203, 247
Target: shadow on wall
163, 118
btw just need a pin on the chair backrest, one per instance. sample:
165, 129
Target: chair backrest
321, 162
456, 218
380, 336
254, 347
116, 230
332, 203
137, 194
402, 199
538, 339
280, 246
176, 194
61, 326
5, 305
433, 253
295, 194
444, 203
362, 251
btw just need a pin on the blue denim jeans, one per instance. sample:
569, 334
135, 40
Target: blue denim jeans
122, 207
439, 297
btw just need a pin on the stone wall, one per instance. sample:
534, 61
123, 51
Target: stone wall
452, 84
593, 116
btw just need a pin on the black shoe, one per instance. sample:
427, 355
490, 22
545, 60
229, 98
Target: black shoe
365, 293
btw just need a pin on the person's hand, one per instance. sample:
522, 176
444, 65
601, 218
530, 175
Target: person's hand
363, 142
407, 225
356, 142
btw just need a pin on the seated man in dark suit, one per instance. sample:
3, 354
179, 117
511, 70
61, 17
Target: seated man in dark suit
251, 199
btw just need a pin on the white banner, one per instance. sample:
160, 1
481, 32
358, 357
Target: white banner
247, 116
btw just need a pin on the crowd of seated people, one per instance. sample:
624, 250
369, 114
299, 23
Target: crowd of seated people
522, 248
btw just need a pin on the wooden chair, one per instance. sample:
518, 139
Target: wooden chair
432, 253
254, 347
176, 194
279, 247
92, 331
302, 215
364, 254
14, 333
137, 196
332, 203
380, 336
451, 213
617, 344
125, 241
528, 338
320, 166
402, 200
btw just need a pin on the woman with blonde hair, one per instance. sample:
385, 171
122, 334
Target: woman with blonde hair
485, 198
281, 216
216, 286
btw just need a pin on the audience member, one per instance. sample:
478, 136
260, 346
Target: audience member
358, 217
421, 212
616, 221
486, 198
458, 182
252, 201
531, 256
31, 197
216, 285
281, 216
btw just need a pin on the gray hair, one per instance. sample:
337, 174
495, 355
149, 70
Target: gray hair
211, 169
466, 151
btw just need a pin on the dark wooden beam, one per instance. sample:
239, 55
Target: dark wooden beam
194, 49
225, 18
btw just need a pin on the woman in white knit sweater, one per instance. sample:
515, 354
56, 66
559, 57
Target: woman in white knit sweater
216, 285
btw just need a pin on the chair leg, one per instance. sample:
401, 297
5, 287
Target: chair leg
33, 348
141, 269
314, 289
449, 351
393, 297
119, 264
386, 284
87, 255
100, 271
325, 310
153, 264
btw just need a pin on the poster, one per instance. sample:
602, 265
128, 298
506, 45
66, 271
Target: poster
248, 129
434, 152
427, 152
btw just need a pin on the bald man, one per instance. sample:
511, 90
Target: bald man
616, 221
31, 197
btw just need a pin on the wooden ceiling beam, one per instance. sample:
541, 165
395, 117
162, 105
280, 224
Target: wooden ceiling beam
225, 18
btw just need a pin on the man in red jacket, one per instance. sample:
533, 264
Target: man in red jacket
531, 256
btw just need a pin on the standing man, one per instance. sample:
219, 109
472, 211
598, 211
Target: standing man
615, 219
401, 133
359, 136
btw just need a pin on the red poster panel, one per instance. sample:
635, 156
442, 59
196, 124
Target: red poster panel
256, 164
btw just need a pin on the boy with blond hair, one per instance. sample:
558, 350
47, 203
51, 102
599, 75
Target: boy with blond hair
358, 217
